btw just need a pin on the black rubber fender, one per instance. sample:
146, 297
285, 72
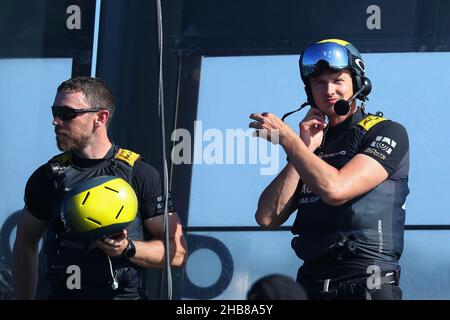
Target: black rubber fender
192, 291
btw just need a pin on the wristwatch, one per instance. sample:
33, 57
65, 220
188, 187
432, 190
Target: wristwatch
129, 251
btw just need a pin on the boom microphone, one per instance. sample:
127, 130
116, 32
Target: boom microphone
341, 107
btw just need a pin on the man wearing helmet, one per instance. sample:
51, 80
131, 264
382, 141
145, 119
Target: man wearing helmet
347, 178
111, 267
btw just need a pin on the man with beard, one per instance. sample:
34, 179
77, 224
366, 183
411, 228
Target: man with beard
112, 267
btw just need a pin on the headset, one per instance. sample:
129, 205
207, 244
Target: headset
334, 54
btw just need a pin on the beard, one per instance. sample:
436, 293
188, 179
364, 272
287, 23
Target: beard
67, 142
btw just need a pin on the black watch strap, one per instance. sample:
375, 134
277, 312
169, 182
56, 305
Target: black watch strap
129, 251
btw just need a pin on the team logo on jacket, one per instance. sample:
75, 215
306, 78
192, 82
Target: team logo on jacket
307, 196
384, 144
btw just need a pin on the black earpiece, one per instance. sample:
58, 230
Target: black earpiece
365, 83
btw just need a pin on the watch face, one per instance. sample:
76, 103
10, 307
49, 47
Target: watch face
130, 250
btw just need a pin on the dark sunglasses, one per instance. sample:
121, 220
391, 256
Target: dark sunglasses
67, 113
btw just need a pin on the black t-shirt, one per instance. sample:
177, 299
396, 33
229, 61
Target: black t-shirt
40, 191
387, 142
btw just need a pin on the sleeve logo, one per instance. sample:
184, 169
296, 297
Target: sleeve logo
161, 203
384, 144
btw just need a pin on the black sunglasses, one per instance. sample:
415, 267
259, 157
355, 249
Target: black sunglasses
67, 113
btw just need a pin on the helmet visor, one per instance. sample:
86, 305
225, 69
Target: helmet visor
336, 56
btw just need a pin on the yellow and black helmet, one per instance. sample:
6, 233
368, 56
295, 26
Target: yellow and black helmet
336, 55
98, 207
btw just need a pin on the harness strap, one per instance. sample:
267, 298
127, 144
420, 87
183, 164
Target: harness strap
127, 156
369, 121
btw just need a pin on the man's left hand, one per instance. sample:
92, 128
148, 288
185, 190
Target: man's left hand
270, 127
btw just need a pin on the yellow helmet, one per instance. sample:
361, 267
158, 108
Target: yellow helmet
98, 207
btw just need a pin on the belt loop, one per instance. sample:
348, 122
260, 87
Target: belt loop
326, 285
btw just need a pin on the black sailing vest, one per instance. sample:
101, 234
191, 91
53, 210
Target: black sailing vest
369, 227
94, 266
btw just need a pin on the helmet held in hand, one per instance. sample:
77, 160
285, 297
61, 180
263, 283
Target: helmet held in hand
98, 207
